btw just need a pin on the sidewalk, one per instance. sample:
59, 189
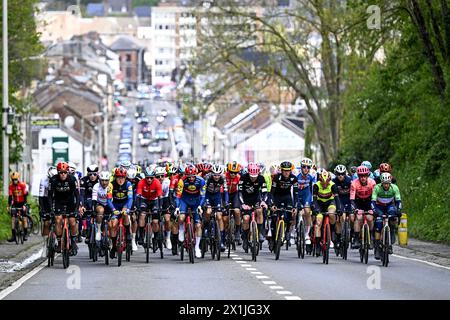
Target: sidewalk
423, 250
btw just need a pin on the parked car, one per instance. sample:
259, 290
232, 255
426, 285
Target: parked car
125, 141
145, 140
142, 120
154, 147
162, 134
125, 148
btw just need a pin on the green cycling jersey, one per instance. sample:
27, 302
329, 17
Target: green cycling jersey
384, 197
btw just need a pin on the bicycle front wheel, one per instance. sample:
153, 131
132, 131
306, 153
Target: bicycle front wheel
218, 240
326, 239
65, 248
119, 247
191, 243
366, 244
148, 238
279, 239
386, 244
254, 240
301, 244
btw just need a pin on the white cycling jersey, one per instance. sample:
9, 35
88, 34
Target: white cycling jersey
165, 185
43, 187
100, 194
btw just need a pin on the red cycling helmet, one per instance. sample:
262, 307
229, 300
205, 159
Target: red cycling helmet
191, 171
120, 172
62, 166
362, 170
200, 166
253, 169
385, 167
207, 167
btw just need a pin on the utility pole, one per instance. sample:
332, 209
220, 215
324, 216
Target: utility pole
5, 138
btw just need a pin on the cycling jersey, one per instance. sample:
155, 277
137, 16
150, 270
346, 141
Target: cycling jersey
192, 190
215, 190
358, 191
232, 184
150, 191
173, 188
344, 190
251, 192
86, 186
328, 196
122, 195
43, 195
285, 190
305, 186
18, 193
383, 198
63, 193
102, 196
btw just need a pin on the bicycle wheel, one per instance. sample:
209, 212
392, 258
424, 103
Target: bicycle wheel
119, 247
366, 244
51, 248
218, 240
18, 233
106, 249
181, 245
191, 243
65, 248
212, 240
301, 244
362, 245
161, 239
326, 243
36, 224
148, 238
279, 239
345, 239
254, 240
386, 243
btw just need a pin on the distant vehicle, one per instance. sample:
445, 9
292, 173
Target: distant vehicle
142, 120
145, 128
127, 121
154, 147
125, 148
177, 122
124, 156
139, 111
164, 112
143, 87
145, 141
162, 134
160, 119
125, 141
121, 110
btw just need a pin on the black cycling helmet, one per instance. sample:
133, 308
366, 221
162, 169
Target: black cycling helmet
286, 166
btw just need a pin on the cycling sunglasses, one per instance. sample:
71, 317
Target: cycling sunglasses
62, 172
306, 167
363, 175
92, 173
159, 177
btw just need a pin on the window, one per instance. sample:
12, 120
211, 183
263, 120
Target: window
129, 72
128, 57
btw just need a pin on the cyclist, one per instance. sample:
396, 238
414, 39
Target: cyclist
18, 193
360, 198
148, 194
87, 183
102, 202
191, 194
368, 165
353, 174
386, 200
133, 177
216, 195
44, 208
385, 167
284, 195
122, 200
160, 173
204, 168
64, 198
252, 193
232, 177
325, 199
343, 183
176, 175
305, 185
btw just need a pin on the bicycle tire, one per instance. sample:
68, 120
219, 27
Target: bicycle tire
230, 236
181, 251
218, 240
254, 240
148, 238
212, 240
64, 249
366, 245
50, 248
327, 239
191, 243
386, 243
161, 239
119, 247
301, 242
279, 239
345, 240
36, 224
128, 252
362, 244
105, 243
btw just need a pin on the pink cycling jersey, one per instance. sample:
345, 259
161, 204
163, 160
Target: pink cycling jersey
358, 191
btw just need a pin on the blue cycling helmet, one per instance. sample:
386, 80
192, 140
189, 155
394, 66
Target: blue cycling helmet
367, 164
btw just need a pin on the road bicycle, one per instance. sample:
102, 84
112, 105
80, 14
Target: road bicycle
230, 240
148, 235
253, 236
66, 246
158, 238
365, 238
345, 237
17, 213
300, 237
280, 233
51, 242
211, 235
385, 242
122, 243
325, 239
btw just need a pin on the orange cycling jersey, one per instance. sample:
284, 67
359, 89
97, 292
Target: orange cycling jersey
18, 192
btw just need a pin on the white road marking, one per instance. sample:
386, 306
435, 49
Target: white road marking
256, 272
237, 258
251, 269
292, 298
269, 282
21, 281
276, 287
262, 277
240, 261
418, 260
245, 265
284, 292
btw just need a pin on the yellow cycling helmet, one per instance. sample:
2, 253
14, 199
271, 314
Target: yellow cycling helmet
138, 169
15, 175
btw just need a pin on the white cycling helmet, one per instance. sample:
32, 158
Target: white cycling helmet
386, 177
52, 171
160, 171
72, 167
105, 175
340, 168
306, 162
131, 173
217, 169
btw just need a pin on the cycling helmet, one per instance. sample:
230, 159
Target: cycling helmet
204, 167
191, 170
141, 176
15, 175
367, 164
160, 171
125, 164
286, 166
131, 173
386, 177
385, 167
340, 169
52, 171
325, 176
217, 169
362, 170
172, 170
377, 173
253, 169
233, 167
92, 168
262, 167
120, 172
353, 169
244, 170
62, 166
72, 167
105, 175
138, 169
273, 169
149, 171
306, 162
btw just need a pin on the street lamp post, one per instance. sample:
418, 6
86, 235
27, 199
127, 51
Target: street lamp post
97, 114
5, 101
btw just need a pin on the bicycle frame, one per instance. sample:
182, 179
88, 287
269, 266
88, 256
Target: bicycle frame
385, 240
365, 233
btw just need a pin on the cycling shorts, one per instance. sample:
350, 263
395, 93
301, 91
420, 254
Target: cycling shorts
19, 205
234, 200
68, 209
149, 206
185, 206
363, 204
325, 206
213, 200
305, 198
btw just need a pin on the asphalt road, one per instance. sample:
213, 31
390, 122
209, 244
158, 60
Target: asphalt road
237, 278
